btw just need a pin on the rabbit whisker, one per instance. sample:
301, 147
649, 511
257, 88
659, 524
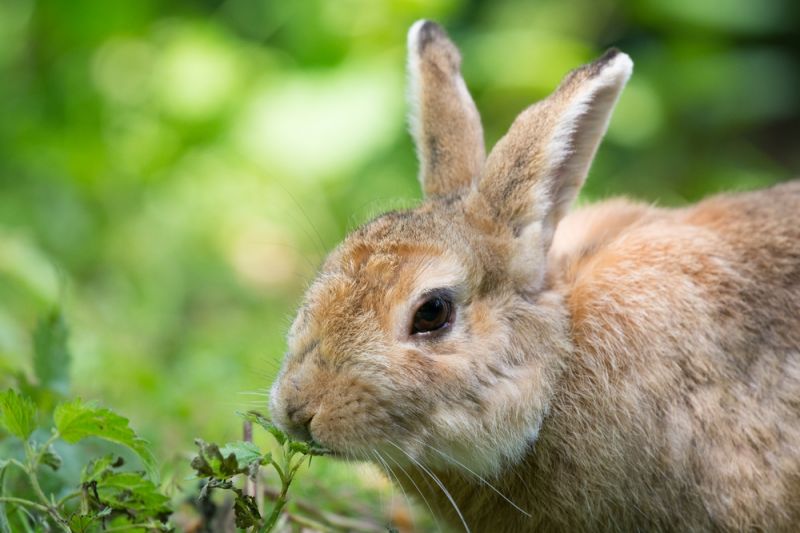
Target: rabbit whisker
438, 482
478, 476
393, 476
319, 241
421, 494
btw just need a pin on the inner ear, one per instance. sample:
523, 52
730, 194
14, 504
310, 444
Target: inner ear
585, 121
537, 169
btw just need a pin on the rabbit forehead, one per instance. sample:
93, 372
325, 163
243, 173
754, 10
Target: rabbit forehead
400, 242
364, 295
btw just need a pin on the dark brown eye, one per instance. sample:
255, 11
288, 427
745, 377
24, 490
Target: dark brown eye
435, 313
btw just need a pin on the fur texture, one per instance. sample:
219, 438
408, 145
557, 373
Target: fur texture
621, 367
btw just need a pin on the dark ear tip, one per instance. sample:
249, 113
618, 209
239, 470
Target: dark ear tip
611, 52
601, 62
428, 32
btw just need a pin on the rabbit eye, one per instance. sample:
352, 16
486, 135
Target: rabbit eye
434, 314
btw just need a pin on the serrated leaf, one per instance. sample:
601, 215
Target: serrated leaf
210, 462
311, 447
132, 493
245, 511
246, 452
17, 414
266, 423
97, 468
51, 358
81, 523
76, 420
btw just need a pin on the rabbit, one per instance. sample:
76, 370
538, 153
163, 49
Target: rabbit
522, 367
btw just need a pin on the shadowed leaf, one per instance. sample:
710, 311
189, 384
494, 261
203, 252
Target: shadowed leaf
76, 420
51, 358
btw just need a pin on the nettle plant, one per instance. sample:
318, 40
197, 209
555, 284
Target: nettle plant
45, 435
36, 492
221, 466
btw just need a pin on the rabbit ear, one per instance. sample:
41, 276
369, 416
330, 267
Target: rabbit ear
534, 173
444, 120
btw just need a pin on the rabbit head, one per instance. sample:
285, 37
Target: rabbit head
430, 335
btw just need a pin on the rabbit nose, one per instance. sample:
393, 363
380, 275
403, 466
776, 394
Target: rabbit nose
300, 418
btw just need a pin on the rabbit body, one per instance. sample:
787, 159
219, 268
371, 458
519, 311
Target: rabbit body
524, 367
679, 405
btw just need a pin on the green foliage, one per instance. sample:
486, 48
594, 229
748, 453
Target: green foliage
212, 464
129, 492
255, 417
104, 496
76, 420
246, 453
51, 358
17, 414
107, 495
219, 466
108, 490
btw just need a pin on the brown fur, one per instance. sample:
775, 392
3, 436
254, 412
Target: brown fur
621, 367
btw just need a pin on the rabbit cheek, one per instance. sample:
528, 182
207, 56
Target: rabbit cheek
354, 417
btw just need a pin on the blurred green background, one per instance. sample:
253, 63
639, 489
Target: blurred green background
173, 172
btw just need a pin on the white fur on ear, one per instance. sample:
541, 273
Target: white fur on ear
443, 119
413, 77
582, 125
537, 169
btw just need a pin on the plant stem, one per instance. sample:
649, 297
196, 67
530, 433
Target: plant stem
30, 469
68, 497
17, 464
279, 470
27, 503
286, 474
277, 509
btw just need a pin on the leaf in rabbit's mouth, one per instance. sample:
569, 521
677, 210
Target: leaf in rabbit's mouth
310, 447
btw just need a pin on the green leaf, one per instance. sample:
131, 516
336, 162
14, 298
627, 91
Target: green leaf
17, 414
266, 423
132, 493
76, 420
245, 511
246, 452
51, 358
96, 469
211, 463
81, 523
129, 493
